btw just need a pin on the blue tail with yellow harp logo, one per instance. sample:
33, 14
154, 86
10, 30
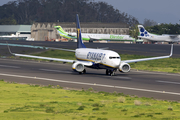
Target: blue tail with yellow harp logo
80, 43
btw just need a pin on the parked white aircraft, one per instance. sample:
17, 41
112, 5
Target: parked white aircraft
96, 58
144, 34
90, 36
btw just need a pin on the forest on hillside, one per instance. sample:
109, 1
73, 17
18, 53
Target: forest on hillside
30, 11
164, 29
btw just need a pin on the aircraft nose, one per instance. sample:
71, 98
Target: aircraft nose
116, 63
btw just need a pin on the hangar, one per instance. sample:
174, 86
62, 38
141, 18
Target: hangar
44, 31
15, 32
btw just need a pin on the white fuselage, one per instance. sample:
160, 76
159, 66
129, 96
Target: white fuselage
144, 34
104, 58
162, 38
104, 36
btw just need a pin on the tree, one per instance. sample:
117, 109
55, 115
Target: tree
164, 29
29, 11
134, 32
148, 22
8, 21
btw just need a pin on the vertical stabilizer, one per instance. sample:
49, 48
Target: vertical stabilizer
63, 33
142, 31
60, 30
80, 43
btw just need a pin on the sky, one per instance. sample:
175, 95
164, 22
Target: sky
161, 11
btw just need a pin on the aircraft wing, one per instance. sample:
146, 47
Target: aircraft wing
86, 63
146, 59
46, 58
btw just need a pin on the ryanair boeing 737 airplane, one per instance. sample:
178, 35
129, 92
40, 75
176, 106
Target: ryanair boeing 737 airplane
96, 58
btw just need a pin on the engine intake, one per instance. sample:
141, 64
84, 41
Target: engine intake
124, 67
79, 67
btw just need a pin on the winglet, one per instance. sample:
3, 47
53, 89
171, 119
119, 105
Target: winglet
9, 49
171, 50
80, 44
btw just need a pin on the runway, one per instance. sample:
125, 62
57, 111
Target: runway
143, 84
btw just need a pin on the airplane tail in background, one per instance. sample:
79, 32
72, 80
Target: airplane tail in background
63, 33
80, 43
60, 28
143, 32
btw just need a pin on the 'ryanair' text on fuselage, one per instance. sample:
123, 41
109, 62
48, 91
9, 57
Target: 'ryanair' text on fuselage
95, 56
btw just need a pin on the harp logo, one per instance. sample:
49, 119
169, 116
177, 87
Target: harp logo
78, 32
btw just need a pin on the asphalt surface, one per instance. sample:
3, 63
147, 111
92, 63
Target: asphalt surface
140, 83
143, 84
121, 48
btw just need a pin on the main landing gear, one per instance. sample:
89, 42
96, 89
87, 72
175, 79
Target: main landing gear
110, 72
83, 72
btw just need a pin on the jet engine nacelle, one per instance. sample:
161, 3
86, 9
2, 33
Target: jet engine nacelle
124, 67
79, 67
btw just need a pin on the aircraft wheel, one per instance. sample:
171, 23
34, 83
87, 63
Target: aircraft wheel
80, 73
91, 41
107, 71
84, 71
112, 74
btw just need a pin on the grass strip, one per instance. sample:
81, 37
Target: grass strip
34, 102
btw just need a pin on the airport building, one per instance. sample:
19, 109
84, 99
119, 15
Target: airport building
15, 32
46, 31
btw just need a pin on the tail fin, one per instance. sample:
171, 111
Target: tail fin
80, 43
142, 31
59, 28
63, 33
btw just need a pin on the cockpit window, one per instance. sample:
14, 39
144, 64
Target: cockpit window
114, 57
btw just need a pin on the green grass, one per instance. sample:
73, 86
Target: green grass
34, 102
170, 65
58, 54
